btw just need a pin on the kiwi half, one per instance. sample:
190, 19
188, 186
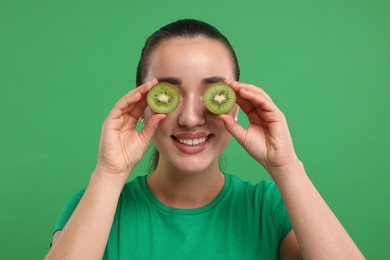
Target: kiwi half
219, 98
163, 98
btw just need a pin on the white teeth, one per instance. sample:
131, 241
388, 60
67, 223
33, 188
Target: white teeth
193, 141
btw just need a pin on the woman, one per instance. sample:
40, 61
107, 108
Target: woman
187, 208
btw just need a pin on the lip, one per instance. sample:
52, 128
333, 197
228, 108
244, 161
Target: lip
193, 149
191, 135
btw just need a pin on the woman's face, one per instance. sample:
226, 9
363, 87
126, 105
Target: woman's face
190, 138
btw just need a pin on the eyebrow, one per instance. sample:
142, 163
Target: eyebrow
171, 80
205, 81
211, 80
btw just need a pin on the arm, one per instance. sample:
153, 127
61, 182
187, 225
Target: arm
86, 233
289, 248
121, 147
318, 232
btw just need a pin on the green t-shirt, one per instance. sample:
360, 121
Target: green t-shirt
244, 221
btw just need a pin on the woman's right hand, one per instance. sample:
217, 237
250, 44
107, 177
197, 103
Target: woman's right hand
121, 145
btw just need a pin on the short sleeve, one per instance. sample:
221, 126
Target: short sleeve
279, 215
68, 209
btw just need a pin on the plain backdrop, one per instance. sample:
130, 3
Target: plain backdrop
64, 64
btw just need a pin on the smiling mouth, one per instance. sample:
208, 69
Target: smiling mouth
192, 141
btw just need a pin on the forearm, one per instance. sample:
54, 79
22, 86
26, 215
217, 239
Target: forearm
319, 233
86, 233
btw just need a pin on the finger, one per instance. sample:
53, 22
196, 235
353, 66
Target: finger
259, 109
150, 126
138, 109
236, 130
227, 82
243, 102
251, 88
240, 101
247, 106
127, 102
143, 89
134, 115
257, 101
119, 109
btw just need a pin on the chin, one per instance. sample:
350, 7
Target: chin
194, 165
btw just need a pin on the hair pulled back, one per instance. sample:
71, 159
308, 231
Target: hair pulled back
185, 28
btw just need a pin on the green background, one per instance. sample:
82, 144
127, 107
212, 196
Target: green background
64, 64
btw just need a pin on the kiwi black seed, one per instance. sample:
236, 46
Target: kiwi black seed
163, 98
219, 98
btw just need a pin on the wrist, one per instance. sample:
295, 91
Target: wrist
286, 170
104, 178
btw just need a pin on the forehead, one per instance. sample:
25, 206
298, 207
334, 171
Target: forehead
190, 58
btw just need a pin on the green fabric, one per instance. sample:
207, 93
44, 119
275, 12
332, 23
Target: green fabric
244, 221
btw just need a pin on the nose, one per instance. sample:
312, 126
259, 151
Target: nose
191, 112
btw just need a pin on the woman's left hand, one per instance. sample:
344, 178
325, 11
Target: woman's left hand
267, 138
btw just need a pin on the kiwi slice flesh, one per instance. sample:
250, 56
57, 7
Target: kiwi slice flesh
163, 98
219, 98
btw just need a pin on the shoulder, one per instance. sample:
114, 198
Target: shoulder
263, 195
263, 187
74, 199
130, 188
135, 190
266, 202
135, 185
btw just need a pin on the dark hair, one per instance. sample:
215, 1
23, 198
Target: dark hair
185, 28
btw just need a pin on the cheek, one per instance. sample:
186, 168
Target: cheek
158, 142
218, 128
162, 134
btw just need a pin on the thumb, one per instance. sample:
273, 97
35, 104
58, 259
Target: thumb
236, 130
150, 126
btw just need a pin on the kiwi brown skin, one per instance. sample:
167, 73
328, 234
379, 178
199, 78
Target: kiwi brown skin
163, 98
219, 98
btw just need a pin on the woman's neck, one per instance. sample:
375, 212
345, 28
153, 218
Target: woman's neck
178, 189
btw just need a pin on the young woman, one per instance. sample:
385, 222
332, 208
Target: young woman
187, 208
